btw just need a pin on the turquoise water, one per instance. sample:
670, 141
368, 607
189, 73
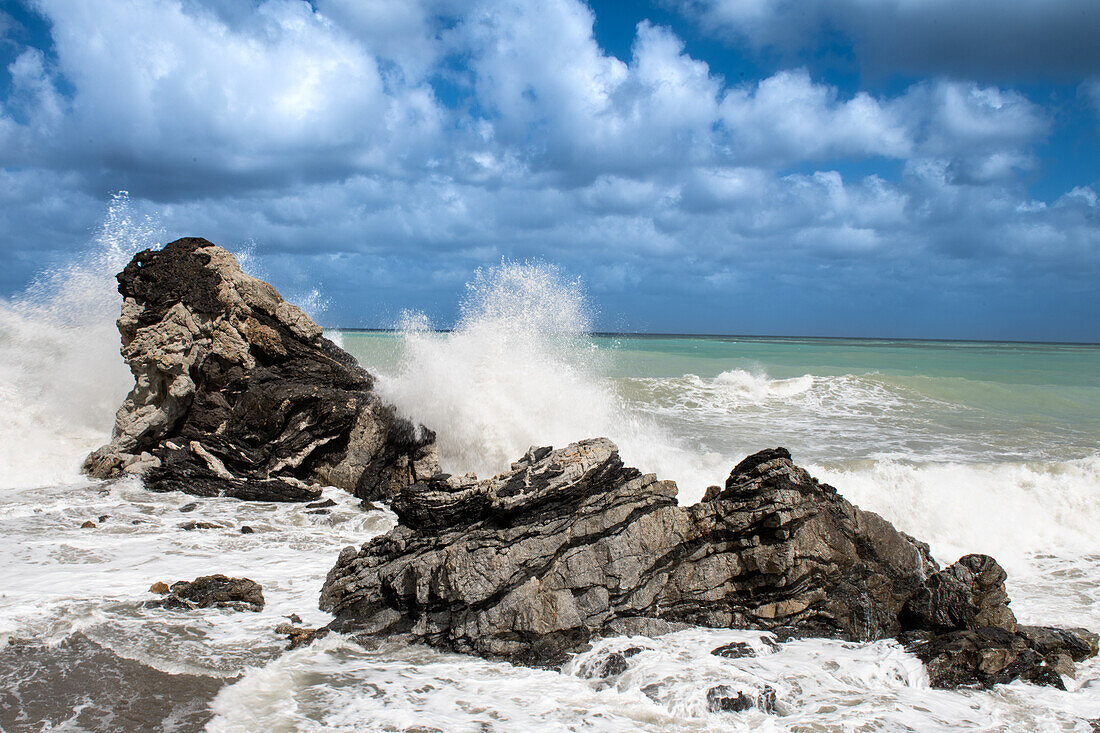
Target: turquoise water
834, 400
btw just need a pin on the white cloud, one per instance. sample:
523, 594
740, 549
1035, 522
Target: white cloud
319, 132
787, 117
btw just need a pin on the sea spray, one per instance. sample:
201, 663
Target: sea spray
518, 371
61, 376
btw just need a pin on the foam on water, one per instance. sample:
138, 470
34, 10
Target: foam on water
61, 377
518, 371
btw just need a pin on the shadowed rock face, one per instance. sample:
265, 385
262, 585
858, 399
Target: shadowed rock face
237, 392
569, 544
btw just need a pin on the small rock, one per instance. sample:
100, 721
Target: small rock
219, 590
104, 518
722, 699
318, 511
321, 504
766, 699
88, 525
189, 507
159, 587
299, 636
369, 506
199, 525
294, 618
734, 650
245, 529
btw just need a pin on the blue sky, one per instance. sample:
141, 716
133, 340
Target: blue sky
905, 168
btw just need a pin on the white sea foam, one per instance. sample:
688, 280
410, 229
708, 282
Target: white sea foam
516, 372
61, 377
746, 386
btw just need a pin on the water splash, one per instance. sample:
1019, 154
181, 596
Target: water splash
519, 371
61, 376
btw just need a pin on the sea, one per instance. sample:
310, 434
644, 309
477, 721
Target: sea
971, 446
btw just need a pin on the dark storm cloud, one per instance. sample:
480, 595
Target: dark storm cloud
987, 39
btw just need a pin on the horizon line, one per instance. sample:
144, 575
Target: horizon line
668, 335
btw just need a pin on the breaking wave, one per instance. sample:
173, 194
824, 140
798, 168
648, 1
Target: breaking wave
61, 377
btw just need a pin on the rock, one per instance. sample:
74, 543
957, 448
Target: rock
321, 504
611, 664
980, 657
245, 529
766, 699
160, 587
298, 636
967, 635
967, 595
189, 507
293, 618
89, 524
238, 394
734, 650
721, 699
570, 544
188, 526
240, 594
103, 518
1077, 644
531, 564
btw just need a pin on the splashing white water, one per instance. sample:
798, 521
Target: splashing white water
61, 376
746, 386
516, 372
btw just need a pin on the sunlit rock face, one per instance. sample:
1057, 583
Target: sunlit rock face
237, 392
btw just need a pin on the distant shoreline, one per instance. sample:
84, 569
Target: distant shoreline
725, 336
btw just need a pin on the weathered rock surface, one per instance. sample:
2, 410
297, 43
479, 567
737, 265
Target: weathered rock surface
237, 393
240, 594
570, 544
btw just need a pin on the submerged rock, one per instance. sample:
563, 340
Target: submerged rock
569, 544
237, 393
240, 594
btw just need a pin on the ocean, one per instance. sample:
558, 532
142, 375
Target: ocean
972, 447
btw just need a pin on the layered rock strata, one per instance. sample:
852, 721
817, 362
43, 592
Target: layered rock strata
569, 544
237, 393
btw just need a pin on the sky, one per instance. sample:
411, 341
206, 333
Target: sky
875, 168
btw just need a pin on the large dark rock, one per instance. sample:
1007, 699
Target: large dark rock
532, 563
569, 544
237, 393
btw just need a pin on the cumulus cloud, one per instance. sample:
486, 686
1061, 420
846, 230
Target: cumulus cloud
402, 145
990, 39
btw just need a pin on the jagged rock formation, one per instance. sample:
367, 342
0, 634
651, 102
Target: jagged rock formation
237, 392
569, 544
